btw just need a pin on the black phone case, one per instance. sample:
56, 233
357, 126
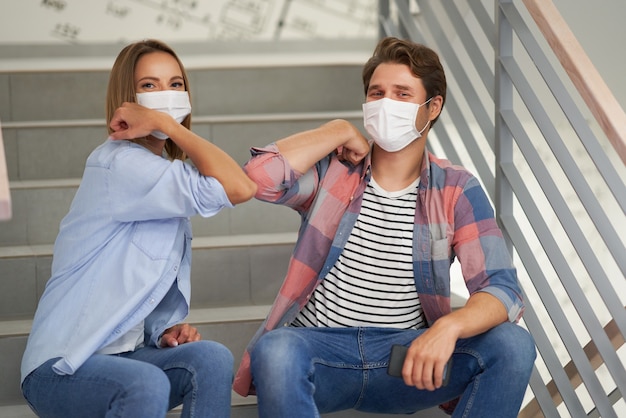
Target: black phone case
396, 361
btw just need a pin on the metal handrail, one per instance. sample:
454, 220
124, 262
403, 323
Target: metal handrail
533, 410
560, 199
591, 86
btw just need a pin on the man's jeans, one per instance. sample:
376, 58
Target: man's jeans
144, 383
302, 372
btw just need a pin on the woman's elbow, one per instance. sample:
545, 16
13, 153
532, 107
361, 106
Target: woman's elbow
242, 192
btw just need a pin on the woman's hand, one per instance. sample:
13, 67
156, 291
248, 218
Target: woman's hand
179, 334
132, 120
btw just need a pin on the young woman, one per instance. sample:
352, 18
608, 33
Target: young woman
107, 338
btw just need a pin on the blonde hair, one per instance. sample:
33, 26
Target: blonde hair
121, 86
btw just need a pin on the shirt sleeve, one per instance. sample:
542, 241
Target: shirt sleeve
144, 186
277, 182
482, 252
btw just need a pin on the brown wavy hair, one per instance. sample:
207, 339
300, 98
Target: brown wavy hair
422, 61
121, 87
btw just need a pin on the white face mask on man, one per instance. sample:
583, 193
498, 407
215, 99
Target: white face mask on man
173, 102
391, 123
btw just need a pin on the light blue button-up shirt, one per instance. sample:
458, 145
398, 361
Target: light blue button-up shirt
122, 256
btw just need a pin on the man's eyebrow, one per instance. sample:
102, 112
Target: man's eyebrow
402, 87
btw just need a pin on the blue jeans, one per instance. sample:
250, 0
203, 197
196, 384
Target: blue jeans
302, 372
143, 383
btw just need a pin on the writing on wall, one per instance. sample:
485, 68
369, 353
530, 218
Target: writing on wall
104, 21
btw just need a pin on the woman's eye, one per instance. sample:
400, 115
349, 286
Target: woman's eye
147, 86
177, 85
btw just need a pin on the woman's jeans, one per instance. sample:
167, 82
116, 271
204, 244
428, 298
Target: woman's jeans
143, 383
302, 372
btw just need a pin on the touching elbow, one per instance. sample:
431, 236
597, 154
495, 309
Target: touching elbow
243, 192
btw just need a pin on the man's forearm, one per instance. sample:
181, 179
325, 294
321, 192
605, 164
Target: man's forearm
304, 149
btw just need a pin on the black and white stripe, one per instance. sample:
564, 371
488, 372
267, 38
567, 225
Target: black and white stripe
372, 282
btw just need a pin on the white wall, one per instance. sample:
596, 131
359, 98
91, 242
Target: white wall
599, 25
97, 21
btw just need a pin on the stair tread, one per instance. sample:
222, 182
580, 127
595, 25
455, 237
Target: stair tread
216, 315
239, 240
24, 411
229, 314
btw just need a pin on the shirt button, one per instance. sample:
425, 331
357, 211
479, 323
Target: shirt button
175, 268
151, 301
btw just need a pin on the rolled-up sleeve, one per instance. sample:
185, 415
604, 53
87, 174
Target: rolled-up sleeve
142, 187
478, 243
277, 182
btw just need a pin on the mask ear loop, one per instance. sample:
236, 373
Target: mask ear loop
427, 123
424, 128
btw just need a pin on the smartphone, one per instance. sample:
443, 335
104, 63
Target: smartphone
396, 361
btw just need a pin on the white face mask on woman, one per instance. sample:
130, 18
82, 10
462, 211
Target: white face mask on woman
173, 102
391, 123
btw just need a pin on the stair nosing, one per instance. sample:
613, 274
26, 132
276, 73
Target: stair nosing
197, 119
197, 243
200, 316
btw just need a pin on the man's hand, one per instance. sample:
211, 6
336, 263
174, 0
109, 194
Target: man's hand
429, 353
356, 149
427, 356
353, 156
304, 149
179, 334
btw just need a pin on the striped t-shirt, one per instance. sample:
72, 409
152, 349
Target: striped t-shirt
372, 282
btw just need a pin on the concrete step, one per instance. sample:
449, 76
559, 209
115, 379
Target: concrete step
226, 270
233, 326
241, 408
57, 149
45, 173
80, 94
39, 206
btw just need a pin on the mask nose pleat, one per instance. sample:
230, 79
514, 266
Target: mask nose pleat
173, 102
391, 123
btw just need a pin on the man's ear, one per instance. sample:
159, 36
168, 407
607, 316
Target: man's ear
435, 107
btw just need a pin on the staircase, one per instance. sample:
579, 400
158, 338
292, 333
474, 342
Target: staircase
528, 110
52, 113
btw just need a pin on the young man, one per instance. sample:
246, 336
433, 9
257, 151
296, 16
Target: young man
371, 268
